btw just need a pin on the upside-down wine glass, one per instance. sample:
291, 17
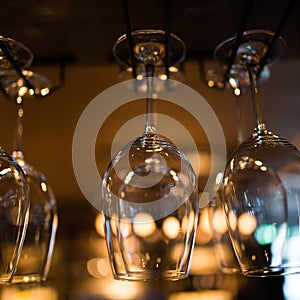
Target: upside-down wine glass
222, 245
149, 188
237, 81
36, 255
14, 199
260, 193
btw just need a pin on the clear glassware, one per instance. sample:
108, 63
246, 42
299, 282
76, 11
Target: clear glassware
19, 52
238, 77
155, 47
120, 51
35, 259
14, 86
14, 208
149, 188
237, 81
14, 198
259, 187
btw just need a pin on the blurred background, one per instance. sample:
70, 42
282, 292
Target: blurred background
81, 35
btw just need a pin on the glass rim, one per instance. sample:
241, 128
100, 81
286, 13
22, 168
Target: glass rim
261, 35
134, 33
8, 40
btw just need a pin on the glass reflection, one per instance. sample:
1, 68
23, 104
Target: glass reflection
256, 210
224, 251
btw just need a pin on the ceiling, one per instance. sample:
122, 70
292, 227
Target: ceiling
86, 30
83, 32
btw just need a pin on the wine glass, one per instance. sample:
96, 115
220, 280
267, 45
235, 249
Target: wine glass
258, 183
222, 245
149, 188
14, 197
35, 259
237, 81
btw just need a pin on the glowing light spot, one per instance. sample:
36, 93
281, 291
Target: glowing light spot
171, 227
173, 69
91, 267
143, 224
232, 220
128, 177
265, 234
219, 178
44, 186
246, 223
5, 171
231, 164
125, 227
187, 224
99, 224
172, 172
21, 163
210, 83
219, 221
147, 256
175, 178
158, 261
20, 112
45, 91
263, 168
103, 267
226, 179
22, 91
258, 163
242, 164
232, 82
204, 222
237, 91
163, 77
159, 149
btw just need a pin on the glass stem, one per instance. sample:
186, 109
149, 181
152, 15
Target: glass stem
18, 133
151, 118
239, 121
255, 98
